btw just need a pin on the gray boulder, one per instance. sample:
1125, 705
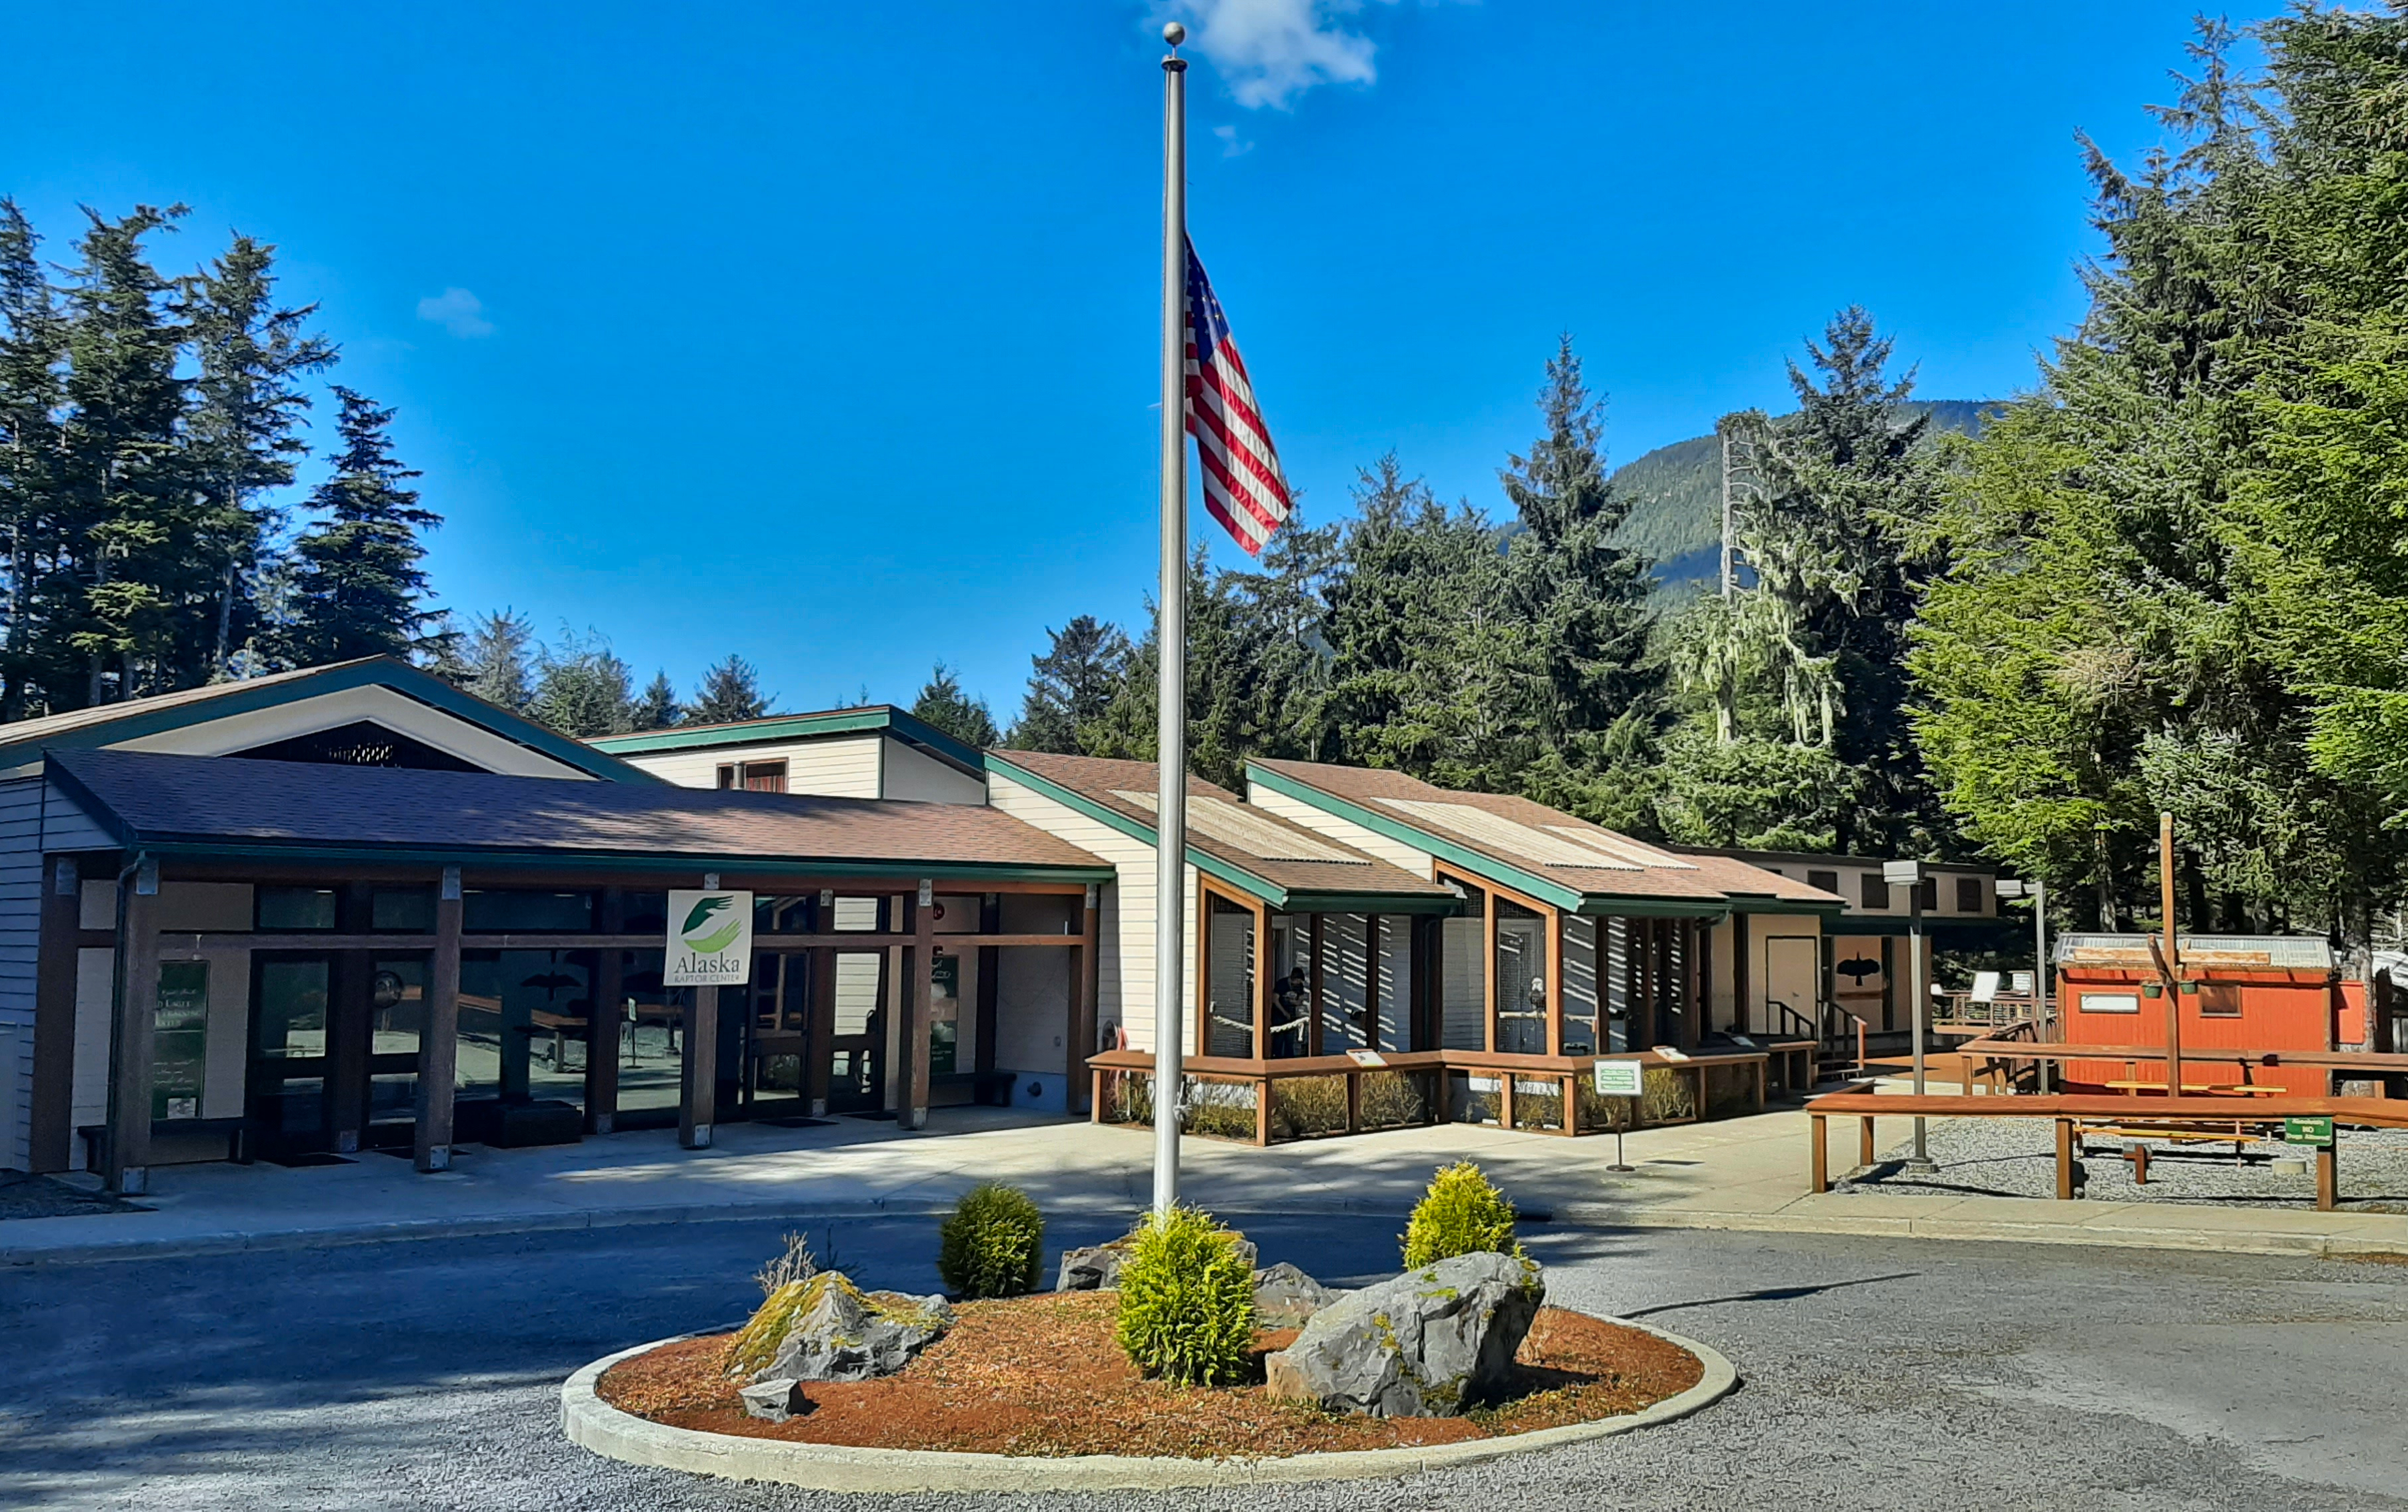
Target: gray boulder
840, 1333
1286, 1297
1098, 1268
774, 1401
1433, 1343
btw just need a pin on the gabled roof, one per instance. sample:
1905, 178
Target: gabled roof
1557, 858
109, 724
1276, 859
231, 805
883, 718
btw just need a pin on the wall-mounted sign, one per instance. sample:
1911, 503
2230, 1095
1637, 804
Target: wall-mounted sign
2315, 1131
709, 940
179, 1040
1621, 1078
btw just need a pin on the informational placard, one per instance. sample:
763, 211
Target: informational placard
709, 940
179, 1040
1621, 1078
2315, 1131
1371, 1058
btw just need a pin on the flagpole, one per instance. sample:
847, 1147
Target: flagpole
1170, 797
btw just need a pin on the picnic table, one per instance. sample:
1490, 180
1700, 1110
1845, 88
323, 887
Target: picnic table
2205, 1089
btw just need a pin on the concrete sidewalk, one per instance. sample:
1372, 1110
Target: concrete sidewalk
1741, 1174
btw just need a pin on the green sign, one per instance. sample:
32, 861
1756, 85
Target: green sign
1621, 1078
179, 1040
2315, 1131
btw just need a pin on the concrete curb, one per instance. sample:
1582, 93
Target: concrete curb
2107, 1235
594, 1424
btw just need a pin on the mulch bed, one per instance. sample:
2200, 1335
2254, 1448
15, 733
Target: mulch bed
1041, 1376
39, 1197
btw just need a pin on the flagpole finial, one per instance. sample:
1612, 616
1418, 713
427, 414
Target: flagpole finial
1174, 34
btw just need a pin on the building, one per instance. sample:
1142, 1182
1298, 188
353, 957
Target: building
2236, 998
351, 907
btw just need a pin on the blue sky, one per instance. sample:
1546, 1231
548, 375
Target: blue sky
826, 332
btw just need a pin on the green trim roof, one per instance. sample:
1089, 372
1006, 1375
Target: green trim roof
882, 718
112, 724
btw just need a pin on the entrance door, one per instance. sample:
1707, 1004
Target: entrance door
397, 1017
856, 1040
777, 1032
289, 1110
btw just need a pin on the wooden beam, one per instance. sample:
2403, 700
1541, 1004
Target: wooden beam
1742, 986
698, 1071
1693, 1008
1083, 983
1264, 964
1488, 982
2172, 974
349, 985
438, 1039
2065, 1159
990, 967
1370, 1028
605, 1020
912, 1111
1313, 1036
127, 1169
1554, 956
52, 1114
1819, 1163
2328, 1178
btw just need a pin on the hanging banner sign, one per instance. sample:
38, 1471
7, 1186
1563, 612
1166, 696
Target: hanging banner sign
709, 940
1621, 1078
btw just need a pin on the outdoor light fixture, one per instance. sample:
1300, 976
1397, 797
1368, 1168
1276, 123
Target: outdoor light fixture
2007, 887
1902, 873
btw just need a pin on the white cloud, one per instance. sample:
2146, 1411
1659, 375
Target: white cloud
1230, 146
1269, 52
458, 311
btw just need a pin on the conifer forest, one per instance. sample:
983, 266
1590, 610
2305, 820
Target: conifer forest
2170, 575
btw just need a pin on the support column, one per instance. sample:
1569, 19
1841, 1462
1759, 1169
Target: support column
911, 1110
1261, 914
1077, 1092
1693, 1008
1372, 956
698, 1073
605, 1020
348, 985
817, 1052
52, 1123
1320, 976
1489, 977
127, 1169
438, 1042
1555, 985
990, 1002
1741, 987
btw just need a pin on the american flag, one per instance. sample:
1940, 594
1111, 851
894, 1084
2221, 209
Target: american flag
1243, 486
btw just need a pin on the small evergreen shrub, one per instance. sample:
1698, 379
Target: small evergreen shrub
1186, 1301
993, 1244
1462, 1214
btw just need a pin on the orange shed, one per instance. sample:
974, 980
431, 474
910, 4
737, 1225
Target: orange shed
2233, 993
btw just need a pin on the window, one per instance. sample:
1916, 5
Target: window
2219, 999
1825, 881
1969, 894
727, 774
402, 911
1931, 890
2109, 1003
296, 908
496, 911
1876, 891
764, 776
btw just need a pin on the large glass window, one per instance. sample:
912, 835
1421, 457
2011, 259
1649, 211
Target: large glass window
288, 1070
1581, 1016
285, 909
1463, 988
1291, 1027
1229, 1007
402, 911
652, 1034
525, 1018
521, 911
396, 1022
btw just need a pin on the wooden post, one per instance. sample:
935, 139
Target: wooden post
2328, 1179
818, 1052
1554, 927
128, 1165
1741, 985
1082, 997
1693, 1008
51, 1130
1370, 1028
990, 1005
2174, 955
1263, 1113
604, 1016
913, 1111
699, 1072
349, 1028
1488, 980
1640, 935
1320, 982
1820, 1132
1865, 1141
1264, 965
2065, 1159
439, 1040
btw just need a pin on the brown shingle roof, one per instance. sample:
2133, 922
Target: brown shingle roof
1255, 841
1538, 840
169, 799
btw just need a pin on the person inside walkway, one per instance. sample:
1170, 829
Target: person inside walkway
1291, 1012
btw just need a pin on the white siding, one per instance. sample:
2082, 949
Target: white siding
835, 766
915, 774
1032, 999
471, 743
1345, 831
1124, 928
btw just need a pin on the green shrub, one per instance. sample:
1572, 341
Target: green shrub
1462, 1214
1186, 1300
993, 1244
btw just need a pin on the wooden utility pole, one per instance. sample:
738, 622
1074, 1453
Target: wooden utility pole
2172, 973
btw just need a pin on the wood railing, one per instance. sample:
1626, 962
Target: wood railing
1266, 1101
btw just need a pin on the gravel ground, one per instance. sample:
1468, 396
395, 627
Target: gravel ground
1877, 1375
2017, 1158
40, 1197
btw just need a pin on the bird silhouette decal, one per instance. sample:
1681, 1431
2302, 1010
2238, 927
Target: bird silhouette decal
718, 938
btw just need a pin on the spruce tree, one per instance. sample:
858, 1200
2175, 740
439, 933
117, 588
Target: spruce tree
657, 706
497, 658
730, 692
252, 356
943, 704
359, 589
32, 358
581, 689
1071, 685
